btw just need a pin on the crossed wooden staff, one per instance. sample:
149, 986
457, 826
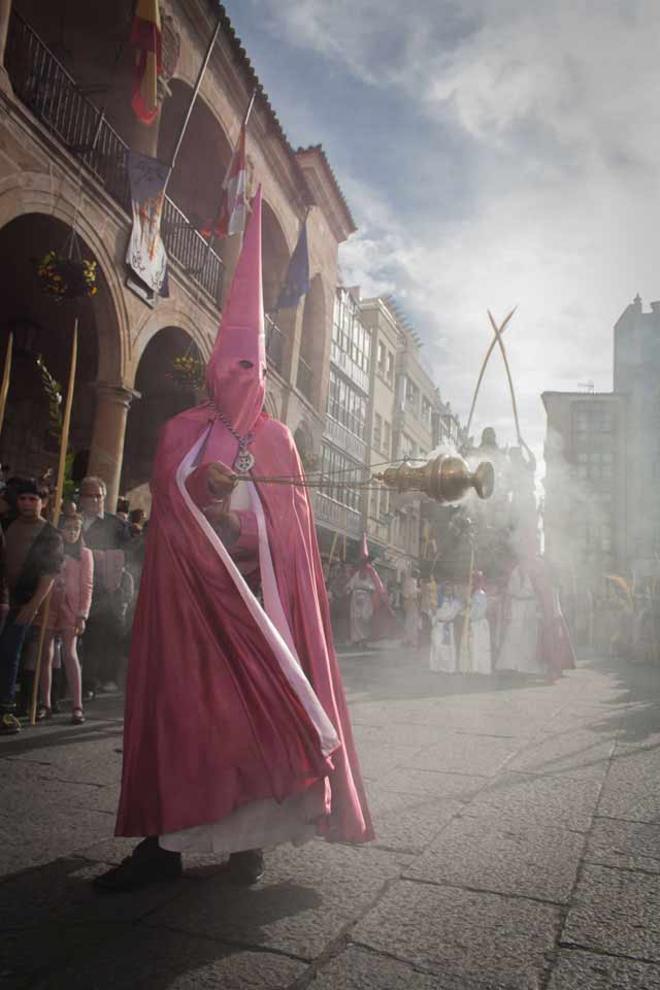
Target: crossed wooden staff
496, 341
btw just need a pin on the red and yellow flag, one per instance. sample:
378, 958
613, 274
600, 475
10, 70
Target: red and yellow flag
146, 39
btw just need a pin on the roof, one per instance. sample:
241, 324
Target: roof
612, 396
254, 83
332, 179
401, 318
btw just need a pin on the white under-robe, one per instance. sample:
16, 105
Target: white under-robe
443, 644
519, 650
480, 653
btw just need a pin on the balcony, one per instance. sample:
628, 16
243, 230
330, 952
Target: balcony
305, 378
345, 440
336, 516
274, 345
45, 87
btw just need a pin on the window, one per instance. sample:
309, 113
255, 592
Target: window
387, 439
381, 360
426, 411
378, 432
390, 367
407, 447
349, 335
346, 405
339, 475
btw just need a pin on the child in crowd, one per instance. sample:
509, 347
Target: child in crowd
71, 599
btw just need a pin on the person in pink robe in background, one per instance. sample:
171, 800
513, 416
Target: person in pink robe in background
237, 734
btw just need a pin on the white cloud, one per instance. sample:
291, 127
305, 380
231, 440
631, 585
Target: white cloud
556, 106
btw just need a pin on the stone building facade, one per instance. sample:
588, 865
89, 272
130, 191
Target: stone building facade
65, 128
602, 513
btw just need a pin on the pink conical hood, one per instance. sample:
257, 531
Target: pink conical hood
364, 549
235, 375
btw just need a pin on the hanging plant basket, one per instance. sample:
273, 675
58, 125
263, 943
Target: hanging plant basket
66, 278
188, 373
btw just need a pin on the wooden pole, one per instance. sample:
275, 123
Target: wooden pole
332, 549
484, 365
6, 378
468, 615
59, 489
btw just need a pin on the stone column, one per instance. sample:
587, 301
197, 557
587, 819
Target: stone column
107, 449
5, 12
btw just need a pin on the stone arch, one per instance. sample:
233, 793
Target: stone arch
169, 314
37, 194
204, 155
160, 399
42, 326
312, 343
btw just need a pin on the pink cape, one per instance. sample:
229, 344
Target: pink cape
211, 722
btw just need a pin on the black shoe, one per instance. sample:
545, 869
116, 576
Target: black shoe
147, 864
246, 868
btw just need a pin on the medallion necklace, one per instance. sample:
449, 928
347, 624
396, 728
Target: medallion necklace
244, 461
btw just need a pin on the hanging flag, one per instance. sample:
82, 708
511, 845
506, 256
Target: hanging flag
232, 213
296, 283
146, 252
146, 39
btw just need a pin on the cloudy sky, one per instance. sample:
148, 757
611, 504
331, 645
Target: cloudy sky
494, 153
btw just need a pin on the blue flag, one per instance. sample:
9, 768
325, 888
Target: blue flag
296, 283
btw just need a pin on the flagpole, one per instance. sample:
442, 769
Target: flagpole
490, 350
59, 489
4, 389
195, 93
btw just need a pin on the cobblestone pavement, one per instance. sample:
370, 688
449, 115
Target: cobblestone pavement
518, 847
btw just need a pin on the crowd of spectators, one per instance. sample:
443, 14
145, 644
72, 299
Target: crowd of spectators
67, 597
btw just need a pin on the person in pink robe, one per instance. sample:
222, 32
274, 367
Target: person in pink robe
237, 734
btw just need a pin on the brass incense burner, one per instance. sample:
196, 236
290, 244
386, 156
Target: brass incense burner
446, 478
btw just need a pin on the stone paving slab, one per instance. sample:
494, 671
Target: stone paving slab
628, 845
40, 840
144, 958
97, 762
467, 754
306, 898
536, 800
533, 862
576, 970
377, 762
475, 940
61, 893
616, 911
34, 790
454, 786
408, 821
632, 786
359, 969
572, 754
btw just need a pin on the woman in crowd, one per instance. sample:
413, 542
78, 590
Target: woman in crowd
70, 602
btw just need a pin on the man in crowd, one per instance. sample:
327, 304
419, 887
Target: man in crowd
237, 733
33, 558
107, 536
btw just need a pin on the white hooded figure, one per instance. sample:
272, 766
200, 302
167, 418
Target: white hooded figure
480, 652
443, 641
519, 650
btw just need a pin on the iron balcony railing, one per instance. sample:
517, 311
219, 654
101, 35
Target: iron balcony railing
274, 345
43, 84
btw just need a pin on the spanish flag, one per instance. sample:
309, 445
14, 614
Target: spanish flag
146, 39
